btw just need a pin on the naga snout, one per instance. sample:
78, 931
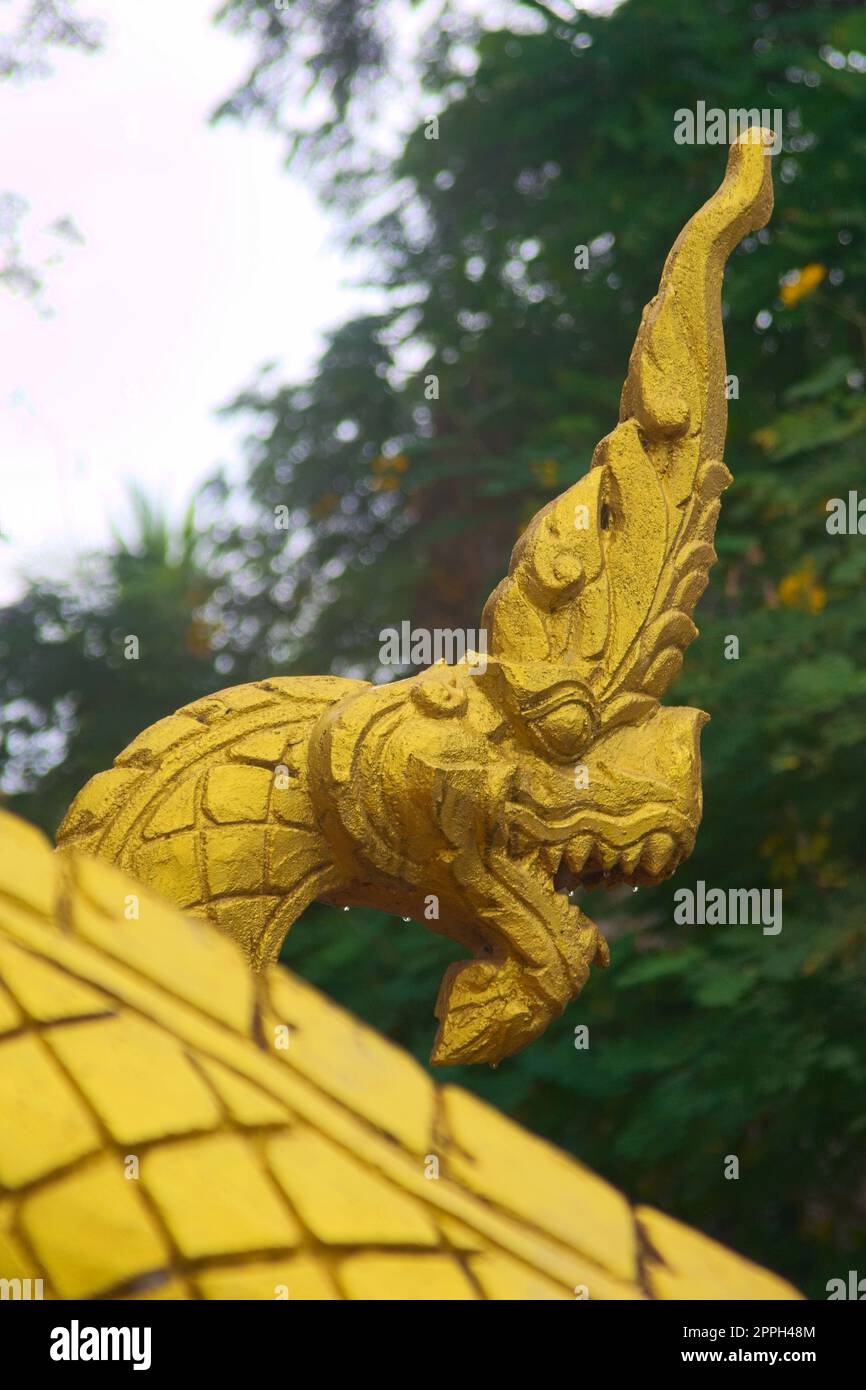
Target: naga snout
638, 803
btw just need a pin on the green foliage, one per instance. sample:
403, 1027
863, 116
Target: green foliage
74, 696
704, 1041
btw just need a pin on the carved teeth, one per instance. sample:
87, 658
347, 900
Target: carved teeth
606, 856
630, 857
577, 852
657, 853
653, 856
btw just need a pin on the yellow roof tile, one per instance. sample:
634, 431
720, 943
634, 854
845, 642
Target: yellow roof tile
92, 1230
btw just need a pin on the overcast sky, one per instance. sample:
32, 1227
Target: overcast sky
202, 259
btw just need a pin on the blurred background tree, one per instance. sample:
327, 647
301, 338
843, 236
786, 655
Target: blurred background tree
77, 689
30, 37
434, 428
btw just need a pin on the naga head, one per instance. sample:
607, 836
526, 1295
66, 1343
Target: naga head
589, 628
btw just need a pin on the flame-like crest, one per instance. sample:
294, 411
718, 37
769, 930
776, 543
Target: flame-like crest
596, 610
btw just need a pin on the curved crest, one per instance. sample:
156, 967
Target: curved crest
602, 583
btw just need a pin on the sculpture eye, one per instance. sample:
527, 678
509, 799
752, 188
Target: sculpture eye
606, 517
565, 730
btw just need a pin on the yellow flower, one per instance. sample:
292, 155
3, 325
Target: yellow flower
800, 590
797, 852
389, 467
800, 283
766, 438
384, 484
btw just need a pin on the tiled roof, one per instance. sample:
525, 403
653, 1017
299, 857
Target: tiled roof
172, 1126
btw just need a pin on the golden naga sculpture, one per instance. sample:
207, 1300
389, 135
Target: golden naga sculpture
494, 788
174, 1126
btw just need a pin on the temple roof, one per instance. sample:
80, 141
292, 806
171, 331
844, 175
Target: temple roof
172, 1126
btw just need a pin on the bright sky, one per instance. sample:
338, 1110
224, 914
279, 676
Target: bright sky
202, 260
